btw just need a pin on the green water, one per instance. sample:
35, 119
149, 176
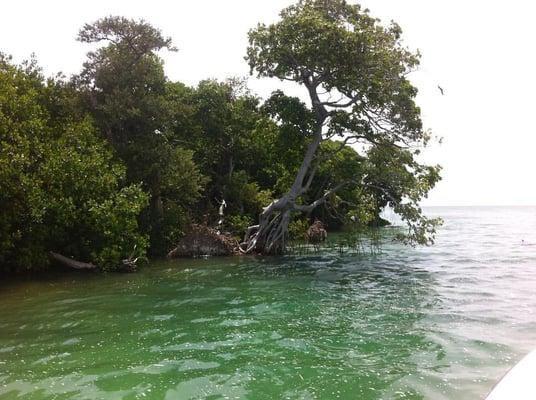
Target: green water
438, 323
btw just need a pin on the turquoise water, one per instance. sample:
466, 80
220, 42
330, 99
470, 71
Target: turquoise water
429, 323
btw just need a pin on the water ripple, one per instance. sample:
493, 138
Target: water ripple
442, 322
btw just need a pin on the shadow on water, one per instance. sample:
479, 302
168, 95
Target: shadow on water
322, 325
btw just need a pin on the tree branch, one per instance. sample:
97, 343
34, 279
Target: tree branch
310, 207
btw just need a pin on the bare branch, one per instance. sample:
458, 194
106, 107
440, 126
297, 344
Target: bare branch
336, 104
316, 203
327, 194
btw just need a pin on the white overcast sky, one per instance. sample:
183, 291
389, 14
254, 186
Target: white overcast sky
482, 52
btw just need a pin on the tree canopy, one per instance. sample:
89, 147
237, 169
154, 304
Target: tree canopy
119, 161
62, 190
355, 72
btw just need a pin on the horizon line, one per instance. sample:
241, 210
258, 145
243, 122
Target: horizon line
478, 205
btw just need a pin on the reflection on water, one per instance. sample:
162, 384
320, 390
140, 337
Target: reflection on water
442, 322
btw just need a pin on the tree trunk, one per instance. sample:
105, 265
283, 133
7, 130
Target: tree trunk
271, 234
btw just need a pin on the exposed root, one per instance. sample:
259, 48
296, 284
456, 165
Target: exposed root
270, 236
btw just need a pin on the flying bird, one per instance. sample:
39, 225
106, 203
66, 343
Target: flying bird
441, 90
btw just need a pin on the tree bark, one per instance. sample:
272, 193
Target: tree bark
271, 234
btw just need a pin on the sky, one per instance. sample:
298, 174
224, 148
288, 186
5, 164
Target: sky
480, 51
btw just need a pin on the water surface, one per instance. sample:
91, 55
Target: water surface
429, 323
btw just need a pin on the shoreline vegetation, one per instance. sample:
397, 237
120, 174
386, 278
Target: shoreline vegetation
118, 164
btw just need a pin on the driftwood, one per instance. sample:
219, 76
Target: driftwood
69, 262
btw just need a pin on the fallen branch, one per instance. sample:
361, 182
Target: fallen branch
69, 262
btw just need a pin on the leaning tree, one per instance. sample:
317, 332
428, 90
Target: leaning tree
355, 72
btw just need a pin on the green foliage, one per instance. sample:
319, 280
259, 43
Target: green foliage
120, 159
355, 72
224, 119
293, 115
238, 224
400, 182
242, 195
182, 186
61, 189
137, 38
114, 225
342, 44
245, 202
297, 229
139, 112
340, 164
